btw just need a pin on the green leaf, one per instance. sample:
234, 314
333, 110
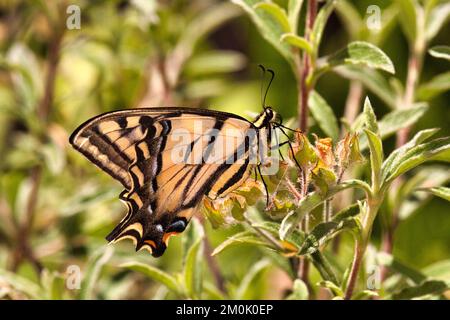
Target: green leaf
348, 212
393, 159
246, 287
430, 287
241, 238
387, 260
92, 274
325, 231
299, 291
408, 19
191, 236
365, 295
269, 28
324, 267
294, 7
295, 238
438, 149
217, 61
335, 289
324, 115
54, 284
311, 201
400, 118
376, 157
396, 120
155, 274
442, 52
362, 54
434, 87
439, 270
193, 269
371, 119
436, 20
372, 80
319, 25
277, 12
427, 177
442, 192
22, 284
296, 41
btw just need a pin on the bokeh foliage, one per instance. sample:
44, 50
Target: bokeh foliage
56, 208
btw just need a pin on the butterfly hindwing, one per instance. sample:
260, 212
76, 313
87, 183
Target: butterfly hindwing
167, 159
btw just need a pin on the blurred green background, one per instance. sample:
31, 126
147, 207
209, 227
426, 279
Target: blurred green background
56, 208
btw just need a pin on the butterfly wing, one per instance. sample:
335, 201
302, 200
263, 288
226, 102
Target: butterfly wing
167, 159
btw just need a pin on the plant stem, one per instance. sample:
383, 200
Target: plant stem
361, 243
306, 69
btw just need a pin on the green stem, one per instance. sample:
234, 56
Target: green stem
361, 243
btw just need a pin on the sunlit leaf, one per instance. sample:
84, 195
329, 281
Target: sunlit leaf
277, 12
430, 287
362, 54
155, 274
92, 274
299, 291
442, 52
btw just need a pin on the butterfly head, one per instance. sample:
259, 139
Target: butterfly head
267, 117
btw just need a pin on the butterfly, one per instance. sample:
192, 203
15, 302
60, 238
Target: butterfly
168, 159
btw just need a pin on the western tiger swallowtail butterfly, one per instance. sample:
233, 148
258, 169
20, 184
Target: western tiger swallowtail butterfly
168, 159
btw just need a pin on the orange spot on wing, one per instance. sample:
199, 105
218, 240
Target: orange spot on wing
167, 236
151, 243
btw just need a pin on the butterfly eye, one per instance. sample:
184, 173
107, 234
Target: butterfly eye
177, 226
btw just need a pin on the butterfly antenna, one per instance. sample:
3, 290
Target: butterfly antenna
262, 83
268, 86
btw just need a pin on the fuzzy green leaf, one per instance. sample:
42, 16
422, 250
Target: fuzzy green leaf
372, 80
25, 285
299, 291
294, 8
193, 270
296, 41
370, 117
436, 20
393, 159
438, 149
245, 237
278, 13
96, 263
319, 24
408, 19
376, 156
392, 263
430, 287
155, 274
337, 291
269, 28
437, 85
439, 270
324, 231
396, 120
245, 289
324, 115
442, 52
311, 201
362, 53
441, 192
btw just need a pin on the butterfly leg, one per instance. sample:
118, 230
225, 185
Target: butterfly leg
265, 185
